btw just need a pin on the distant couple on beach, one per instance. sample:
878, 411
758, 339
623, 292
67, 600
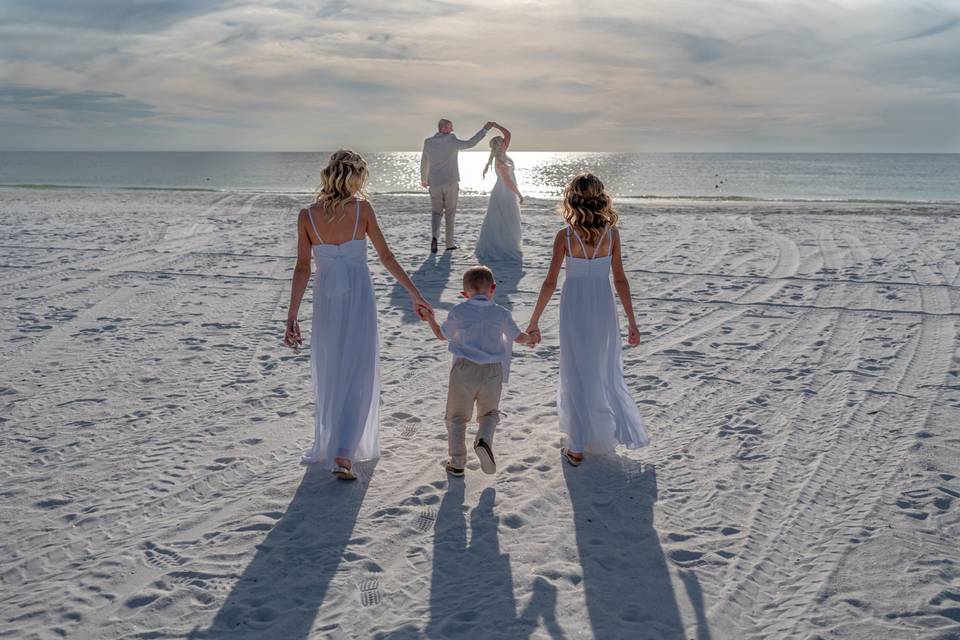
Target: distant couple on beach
500, 235
596, 411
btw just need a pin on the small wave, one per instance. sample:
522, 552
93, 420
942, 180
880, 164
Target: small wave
733, 198
29, 185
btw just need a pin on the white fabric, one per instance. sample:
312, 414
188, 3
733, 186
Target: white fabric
344, 353
595, 406
482, 332
500, 236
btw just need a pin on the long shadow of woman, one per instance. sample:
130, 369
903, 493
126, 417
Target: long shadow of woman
283, 587
626, 581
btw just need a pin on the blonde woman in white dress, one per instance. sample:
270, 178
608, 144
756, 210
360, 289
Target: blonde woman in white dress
344, 345
596, 410
500, 235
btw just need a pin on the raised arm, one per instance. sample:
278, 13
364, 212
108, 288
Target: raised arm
549, 285
622, 285
506, 134
372, 228
301, 277
477, 137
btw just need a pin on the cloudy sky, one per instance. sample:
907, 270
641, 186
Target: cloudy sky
656, 75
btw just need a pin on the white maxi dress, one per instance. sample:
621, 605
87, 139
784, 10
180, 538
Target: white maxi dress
596, 410
500, 234
344, 352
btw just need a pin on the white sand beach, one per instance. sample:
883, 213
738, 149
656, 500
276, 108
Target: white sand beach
798, 375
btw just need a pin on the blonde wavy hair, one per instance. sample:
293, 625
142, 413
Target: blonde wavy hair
342, 180
587, 207
497, 152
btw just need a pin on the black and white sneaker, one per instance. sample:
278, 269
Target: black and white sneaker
485, 456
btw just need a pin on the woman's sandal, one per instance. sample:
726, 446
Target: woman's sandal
344, 473
574, 462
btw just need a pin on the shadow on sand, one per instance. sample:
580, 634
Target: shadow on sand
471, 593
431, 278
508, 274
283, 587
626, 580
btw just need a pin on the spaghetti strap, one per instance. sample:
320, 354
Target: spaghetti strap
310, 217
596, 249
579, 239
356, 222
569, 246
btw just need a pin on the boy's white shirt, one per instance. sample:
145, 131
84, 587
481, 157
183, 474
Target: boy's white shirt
481, 331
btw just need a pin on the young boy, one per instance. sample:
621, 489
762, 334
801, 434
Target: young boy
480, 335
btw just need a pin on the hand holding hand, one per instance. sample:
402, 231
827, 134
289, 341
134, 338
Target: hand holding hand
535, 337
292, 337
422, 308
633, 336
490, 124
423, 183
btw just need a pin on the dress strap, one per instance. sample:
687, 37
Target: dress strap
356, 222
579, 239
596, 249
310, 218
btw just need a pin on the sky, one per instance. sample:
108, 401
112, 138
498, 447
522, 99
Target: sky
651, 75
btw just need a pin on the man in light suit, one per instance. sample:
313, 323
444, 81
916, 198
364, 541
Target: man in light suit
440, 172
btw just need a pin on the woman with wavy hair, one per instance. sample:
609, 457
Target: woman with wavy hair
500, 235
595, 406
344, 345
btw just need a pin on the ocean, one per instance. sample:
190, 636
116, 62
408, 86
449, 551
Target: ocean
694, 176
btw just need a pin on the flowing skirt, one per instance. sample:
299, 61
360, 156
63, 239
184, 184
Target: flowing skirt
500, 235
345, 366
596, 409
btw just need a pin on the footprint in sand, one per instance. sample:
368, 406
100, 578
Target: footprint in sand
161, 557
370, 593
425, 520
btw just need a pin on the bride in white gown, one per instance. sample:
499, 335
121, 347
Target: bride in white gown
500, 235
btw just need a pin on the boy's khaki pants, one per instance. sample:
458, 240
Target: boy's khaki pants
472, 383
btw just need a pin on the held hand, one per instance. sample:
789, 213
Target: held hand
422, 308
633, 336
292, 337
534, 332
490, 124
423, 183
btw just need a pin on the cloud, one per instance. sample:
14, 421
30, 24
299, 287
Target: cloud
87, 106
141, 16
375, 74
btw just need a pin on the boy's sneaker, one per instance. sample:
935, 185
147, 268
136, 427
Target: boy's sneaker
485, 455
454, 471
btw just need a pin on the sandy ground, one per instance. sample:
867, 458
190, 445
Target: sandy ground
798, 375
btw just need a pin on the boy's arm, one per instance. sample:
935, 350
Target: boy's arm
436, 328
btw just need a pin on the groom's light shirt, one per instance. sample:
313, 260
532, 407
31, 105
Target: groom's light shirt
482, 332
438, 162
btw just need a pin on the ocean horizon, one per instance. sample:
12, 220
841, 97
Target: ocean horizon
711, 176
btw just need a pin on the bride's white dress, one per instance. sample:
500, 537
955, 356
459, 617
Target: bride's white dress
500, 235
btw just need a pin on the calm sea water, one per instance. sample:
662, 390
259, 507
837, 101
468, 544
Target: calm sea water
760, 176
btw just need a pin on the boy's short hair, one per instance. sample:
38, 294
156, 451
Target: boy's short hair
478, 278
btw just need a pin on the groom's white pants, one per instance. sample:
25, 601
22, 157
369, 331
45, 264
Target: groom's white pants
443, 203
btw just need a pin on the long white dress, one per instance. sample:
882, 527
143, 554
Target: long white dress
344, 352
595, 406
500, 235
